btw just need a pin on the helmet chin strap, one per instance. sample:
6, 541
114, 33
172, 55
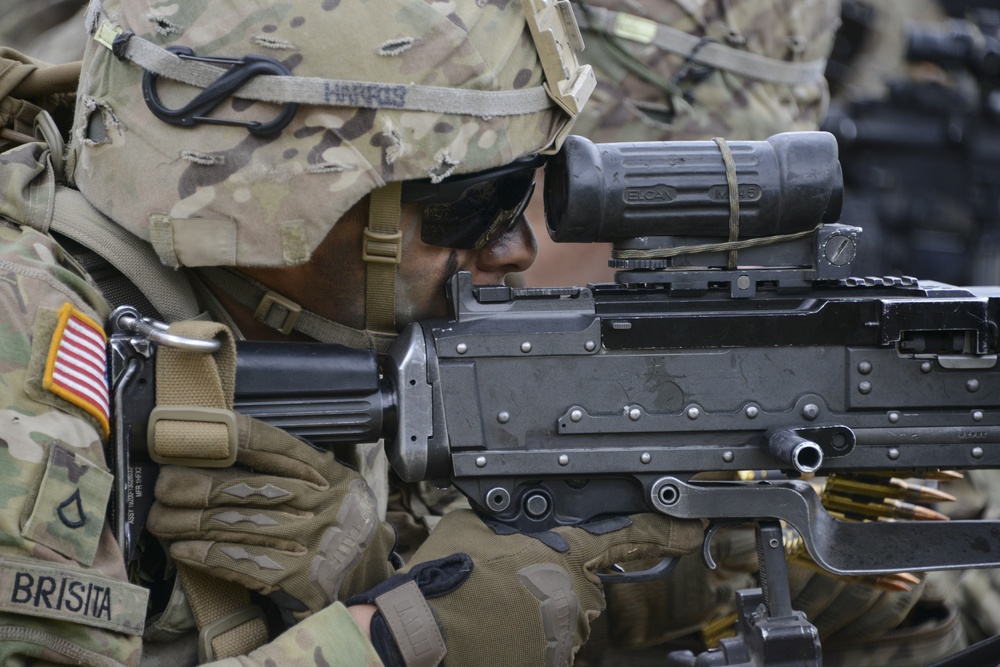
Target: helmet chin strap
284, 315
382, 251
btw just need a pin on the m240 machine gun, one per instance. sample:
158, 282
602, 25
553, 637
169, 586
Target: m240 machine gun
733, 339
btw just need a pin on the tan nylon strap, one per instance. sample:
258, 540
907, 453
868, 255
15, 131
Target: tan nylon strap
413, 626
195, 380
168, 290
750, 65
274, 312
198, 380
67, 212
382, 252
61, 78
319, 91
213, 600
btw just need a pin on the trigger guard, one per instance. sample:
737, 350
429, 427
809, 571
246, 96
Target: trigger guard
706, 547
661, 569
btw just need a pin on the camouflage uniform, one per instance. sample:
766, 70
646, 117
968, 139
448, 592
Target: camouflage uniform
64, 594
187, 192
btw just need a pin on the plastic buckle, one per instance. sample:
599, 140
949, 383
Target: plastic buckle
196, 111
193, 413
249, 613
557, 38
264, 309
374, 248
106, 34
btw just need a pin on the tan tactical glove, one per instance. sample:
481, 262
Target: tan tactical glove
649, 614
289, 522
509, 599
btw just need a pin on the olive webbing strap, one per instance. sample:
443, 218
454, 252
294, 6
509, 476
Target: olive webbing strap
382, 252
284, 315
192, 389
167, 290
719, 56
734, 198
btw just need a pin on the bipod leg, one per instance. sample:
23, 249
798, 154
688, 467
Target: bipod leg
769, 633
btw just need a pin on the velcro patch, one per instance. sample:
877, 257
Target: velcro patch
68, 512
76, 369
35, 589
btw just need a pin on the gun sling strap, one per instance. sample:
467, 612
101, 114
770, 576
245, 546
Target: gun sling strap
194, 423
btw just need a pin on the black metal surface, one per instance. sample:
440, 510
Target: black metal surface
603, 192
323, 393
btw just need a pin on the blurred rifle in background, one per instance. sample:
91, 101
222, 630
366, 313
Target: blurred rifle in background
922, 164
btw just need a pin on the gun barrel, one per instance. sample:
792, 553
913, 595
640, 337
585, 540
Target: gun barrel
325, 394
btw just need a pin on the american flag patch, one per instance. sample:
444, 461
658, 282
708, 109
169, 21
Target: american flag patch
77, 366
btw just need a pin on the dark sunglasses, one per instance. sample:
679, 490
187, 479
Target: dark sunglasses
468, 211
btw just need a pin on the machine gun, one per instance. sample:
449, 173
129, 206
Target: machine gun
922, 163
557, 406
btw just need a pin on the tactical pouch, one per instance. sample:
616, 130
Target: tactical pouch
29, 87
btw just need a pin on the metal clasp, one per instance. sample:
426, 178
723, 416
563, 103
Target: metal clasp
196, 111
126, 319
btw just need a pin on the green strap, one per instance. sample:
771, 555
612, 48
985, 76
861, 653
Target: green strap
282, 314
613, 24
734, 198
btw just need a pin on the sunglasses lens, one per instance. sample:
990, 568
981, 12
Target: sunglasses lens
484, 211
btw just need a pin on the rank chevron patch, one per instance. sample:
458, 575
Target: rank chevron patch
77, 365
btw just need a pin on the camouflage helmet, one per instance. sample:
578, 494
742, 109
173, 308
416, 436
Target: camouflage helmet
691, 69
387, 90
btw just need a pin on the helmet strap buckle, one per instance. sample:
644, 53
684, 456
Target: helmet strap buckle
382, 252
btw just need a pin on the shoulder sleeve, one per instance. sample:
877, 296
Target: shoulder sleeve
64, 594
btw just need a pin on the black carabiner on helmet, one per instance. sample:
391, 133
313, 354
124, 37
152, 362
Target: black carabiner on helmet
196, 111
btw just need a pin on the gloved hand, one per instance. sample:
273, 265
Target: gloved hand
509, 599
290, 522
647, 614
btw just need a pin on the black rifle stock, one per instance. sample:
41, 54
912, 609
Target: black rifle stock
557, 406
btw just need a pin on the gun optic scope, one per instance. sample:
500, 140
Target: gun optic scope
954, 45
602, 192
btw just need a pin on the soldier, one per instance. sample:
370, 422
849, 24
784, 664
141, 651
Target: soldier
396, 146
683, 70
